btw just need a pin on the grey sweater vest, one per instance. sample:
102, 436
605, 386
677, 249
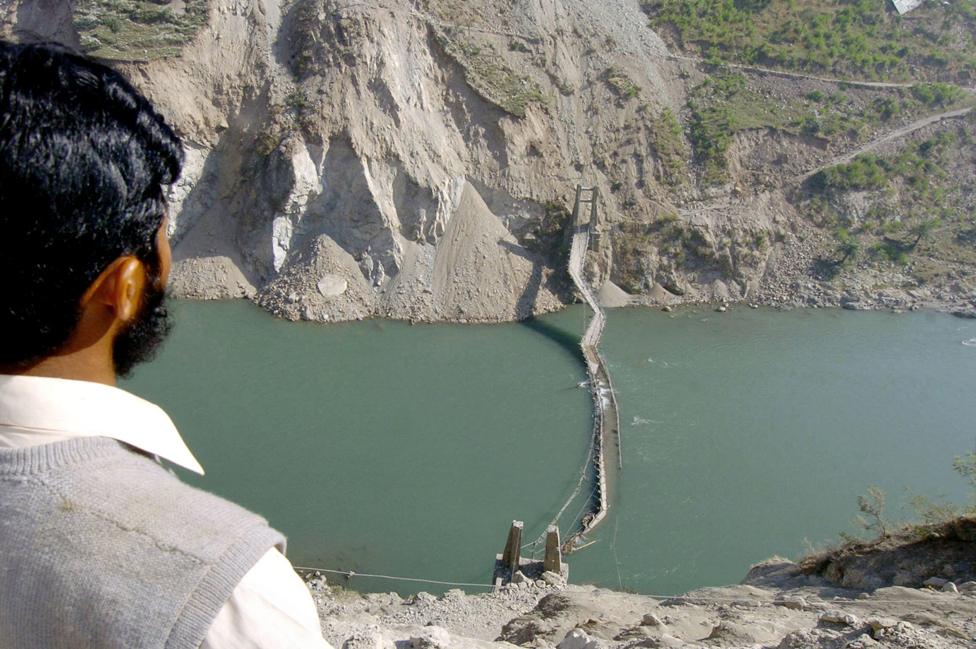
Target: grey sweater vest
101, 547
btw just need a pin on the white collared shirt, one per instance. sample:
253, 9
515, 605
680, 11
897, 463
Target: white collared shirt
270, 608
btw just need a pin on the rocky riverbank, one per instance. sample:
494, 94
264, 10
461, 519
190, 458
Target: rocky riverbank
905, 592
796, 278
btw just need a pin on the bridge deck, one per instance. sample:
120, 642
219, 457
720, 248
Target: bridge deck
607, 459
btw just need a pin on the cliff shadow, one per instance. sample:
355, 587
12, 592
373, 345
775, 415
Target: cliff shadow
225, 185
526, 304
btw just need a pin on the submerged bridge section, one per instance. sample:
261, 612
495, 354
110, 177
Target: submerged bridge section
606, 454
604, 459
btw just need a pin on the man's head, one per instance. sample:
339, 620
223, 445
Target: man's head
84, 164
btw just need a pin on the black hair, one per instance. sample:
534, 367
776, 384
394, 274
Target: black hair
84, 164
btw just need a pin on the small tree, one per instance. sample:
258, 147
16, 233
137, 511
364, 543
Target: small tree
965, 465
872, 508
924, 228
847, 246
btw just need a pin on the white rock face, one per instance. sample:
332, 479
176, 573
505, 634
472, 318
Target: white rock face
305, 184
376, 153
332, 285
193, 169
281, 233
433, 637
577, 639
835, 616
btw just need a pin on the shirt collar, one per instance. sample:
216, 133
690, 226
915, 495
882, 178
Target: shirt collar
65, 409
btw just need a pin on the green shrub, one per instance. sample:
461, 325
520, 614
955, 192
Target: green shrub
965, 465
892, 251
872, 508
847, 246
863, 173
297, 101
937, 94
887, 107
810, 125
622, 84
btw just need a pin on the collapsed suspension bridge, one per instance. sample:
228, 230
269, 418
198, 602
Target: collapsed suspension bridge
605, 458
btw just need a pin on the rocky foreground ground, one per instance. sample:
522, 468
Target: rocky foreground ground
843, 599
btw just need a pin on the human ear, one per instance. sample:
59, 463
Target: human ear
120, 287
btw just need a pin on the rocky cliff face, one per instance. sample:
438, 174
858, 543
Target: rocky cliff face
417, 159
352, 159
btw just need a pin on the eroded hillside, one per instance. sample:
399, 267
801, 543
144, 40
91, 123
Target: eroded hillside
417, 159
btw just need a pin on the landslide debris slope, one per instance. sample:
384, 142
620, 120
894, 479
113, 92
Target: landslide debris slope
416, 159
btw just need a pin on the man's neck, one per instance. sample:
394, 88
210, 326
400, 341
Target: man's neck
77, 366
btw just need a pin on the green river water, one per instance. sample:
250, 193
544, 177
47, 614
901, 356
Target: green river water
403, 450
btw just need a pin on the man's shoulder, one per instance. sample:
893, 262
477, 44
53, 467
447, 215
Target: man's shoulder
118, 548
140, 495
99, 487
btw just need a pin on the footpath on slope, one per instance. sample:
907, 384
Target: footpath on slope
787, 74
874, 144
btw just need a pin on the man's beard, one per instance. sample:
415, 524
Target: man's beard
140, 340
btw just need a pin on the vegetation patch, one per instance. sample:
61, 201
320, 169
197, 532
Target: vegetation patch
137, 30
911, 200
621, 84
286, 118
723, 104
919, 165
318, 39
712, 124
668, 140
727, 102
680, 243
851, 38
939, 95
906, 553
632, 243
488, 74
836, 115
